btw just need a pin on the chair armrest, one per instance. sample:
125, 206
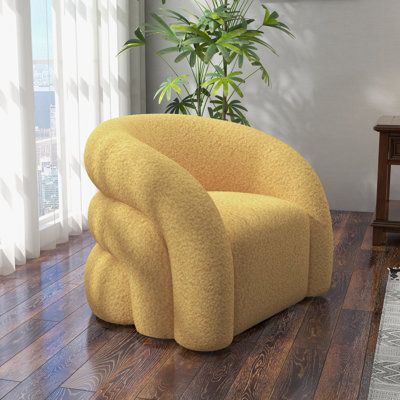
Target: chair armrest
285, 174
127, 170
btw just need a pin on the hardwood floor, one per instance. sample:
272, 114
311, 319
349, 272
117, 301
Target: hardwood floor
51, 346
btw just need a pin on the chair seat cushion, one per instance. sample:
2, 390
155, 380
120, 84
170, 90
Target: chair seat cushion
270, 241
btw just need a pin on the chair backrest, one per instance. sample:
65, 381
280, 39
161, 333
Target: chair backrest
221, 155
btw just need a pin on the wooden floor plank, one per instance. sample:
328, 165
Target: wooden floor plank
6, 387
366, 244
129, 358
69, 394
258, 375
36, 267
49, 376
112, 357
28, 309
173, 377
23, 312
342, 371
300, 374
339, 221
350, 242
220, 368
62, 308
364, 283
42, 280
127, 382
22, 337
32, 357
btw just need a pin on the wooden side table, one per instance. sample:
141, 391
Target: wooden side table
387, 216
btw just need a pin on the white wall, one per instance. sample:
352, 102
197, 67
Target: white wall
329, 86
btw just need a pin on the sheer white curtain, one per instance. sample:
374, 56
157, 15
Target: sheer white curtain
91, 85
19, 226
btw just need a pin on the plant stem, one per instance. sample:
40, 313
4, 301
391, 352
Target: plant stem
206, 98
224, 97
198, 93
225, 67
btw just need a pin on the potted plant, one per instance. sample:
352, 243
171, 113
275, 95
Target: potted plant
215, 43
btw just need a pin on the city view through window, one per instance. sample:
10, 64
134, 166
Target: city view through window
45, 111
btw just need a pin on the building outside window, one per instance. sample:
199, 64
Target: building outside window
45, 108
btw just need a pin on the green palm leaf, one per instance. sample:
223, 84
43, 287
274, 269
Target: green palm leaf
169, 86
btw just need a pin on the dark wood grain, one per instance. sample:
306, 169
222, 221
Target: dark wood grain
69, 394
26, 310
364, 283
62, 308
32, 357
220, 368
129, 380
29, 308
300, 374
174, 376
35, 268
38, 282
20, 338
353, 238
49, 376
107, 362
256, 378
366, 244
6, 386
342, 371
339, 223
52, 347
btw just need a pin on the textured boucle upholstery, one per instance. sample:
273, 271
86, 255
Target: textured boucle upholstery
203, 227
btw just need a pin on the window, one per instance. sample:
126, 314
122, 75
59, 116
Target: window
45, 108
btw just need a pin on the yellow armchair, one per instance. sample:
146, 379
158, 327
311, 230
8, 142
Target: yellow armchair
204, 228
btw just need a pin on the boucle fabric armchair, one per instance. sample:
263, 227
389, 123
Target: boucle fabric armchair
204, 228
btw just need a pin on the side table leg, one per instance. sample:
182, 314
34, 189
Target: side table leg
383, 190
378, 236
